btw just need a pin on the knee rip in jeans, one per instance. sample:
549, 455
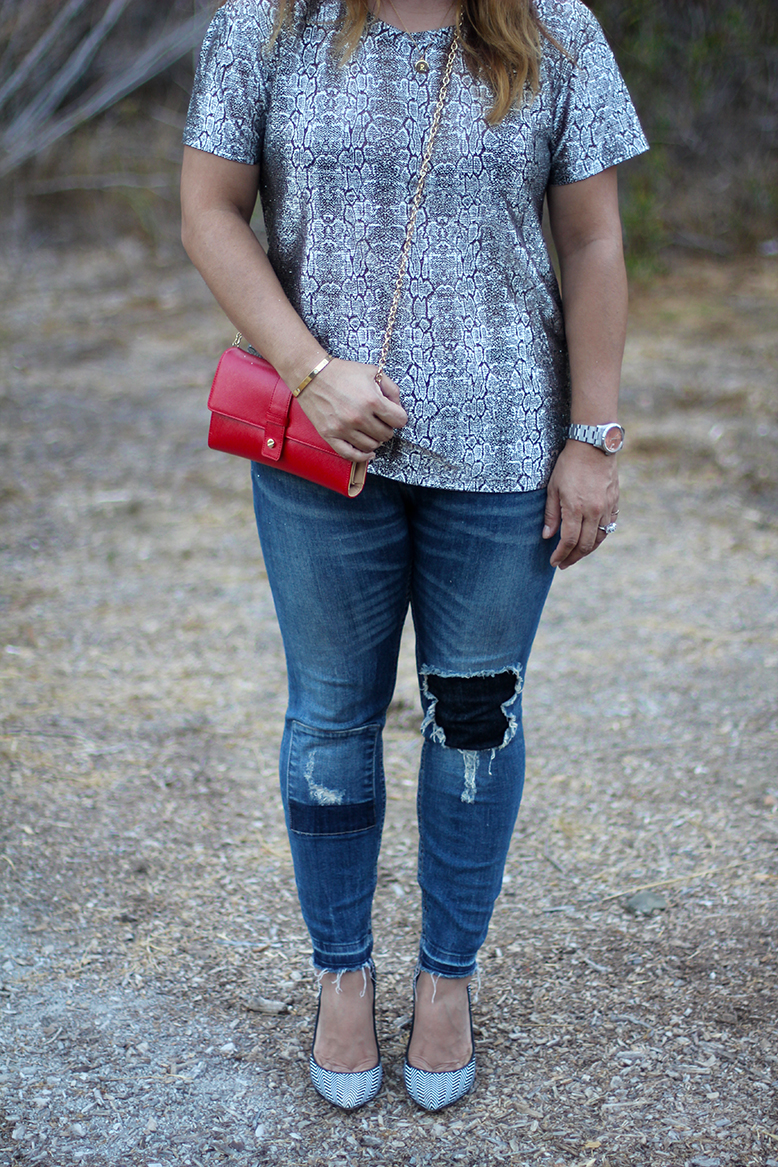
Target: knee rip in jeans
471, 714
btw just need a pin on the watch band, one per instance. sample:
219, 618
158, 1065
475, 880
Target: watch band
595, 435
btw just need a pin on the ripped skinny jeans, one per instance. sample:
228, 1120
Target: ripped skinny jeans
343, 571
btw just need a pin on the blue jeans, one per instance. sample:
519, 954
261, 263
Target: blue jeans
476, 573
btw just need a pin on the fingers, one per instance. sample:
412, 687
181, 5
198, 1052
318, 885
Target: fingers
359, 444
391, 409
366, 426
581, 534
346, 450
579, 537
389, 389
582, 501
553, 515
353, 443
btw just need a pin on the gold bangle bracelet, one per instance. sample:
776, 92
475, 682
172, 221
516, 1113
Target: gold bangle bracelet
313, 373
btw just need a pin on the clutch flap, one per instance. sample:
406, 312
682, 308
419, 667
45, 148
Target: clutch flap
243, 386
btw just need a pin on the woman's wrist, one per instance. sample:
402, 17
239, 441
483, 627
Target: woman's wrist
295, 368
607, 437
317, 368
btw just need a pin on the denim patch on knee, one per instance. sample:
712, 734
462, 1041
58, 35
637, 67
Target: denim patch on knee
470, 710
331, 820
330, 779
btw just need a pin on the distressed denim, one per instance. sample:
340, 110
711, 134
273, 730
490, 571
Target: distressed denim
476, 572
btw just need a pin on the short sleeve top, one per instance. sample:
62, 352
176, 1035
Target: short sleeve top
479, 345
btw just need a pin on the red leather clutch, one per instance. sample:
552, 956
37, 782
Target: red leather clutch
254, 415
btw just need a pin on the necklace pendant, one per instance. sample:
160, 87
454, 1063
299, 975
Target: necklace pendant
421, 66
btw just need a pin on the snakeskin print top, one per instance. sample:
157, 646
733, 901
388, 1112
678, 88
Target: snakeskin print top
479, 346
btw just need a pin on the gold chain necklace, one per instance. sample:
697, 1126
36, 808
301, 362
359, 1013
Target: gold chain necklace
421, 65
423, 171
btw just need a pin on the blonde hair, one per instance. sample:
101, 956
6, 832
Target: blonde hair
502, 42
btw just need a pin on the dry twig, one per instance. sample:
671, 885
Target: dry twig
616, 895
39, 123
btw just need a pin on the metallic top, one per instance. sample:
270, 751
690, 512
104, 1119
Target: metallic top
479, 348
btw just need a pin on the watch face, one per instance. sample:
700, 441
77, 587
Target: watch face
613, 439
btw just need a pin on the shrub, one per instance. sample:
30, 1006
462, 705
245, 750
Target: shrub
704, 76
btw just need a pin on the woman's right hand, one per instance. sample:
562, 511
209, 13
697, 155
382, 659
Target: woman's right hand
350, 411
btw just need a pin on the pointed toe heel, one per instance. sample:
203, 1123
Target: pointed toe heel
435, 1089
432, 1090
347, 1091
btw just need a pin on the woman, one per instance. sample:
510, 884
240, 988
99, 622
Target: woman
477, 489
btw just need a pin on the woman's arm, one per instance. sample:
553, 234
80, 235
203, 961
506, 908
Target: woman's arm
583, 492
343, 402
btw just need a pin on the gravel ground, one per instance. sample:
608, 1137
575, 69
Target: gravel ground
155, 994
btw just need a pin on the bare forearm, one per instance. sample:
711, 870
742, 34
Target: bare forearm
583, 493
232, 262
594, 291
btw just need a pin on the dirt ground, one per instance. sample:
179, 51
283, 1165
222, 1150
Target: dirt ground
155, 992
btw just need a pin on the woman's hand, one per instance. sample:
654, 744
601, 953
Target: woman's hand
582, 498
350, 411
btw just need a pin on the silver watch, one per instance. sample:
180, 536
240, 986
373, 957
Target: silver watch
609, 437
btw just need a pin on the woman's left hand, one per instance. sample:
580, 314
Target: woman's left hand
582, 498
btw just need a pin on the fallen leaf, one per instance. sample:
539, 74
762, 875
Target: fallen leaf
265, 1005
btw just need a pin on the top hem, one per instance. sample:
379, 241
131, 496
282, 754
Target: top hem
472, 486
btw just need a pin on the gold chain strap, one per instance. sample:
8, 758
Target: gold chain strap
425, 165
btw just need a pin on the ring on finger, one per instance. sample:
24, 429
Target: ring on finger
609, 529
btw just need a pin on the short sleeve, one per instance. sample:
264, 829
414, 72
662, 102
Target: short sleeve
227, 110
595, 123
